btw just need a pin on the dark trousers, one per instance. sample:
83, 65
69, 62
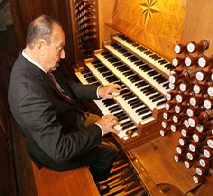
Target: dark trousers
99, 158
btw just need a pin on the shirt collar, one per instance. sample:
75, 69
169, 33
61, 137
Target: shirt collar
32, 61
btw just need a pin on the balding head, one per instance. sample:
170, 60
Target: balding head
40, 28
45, 42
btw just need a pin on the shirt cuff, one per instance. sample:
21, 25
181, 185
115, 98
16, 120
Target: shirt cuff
101, 128
97, 92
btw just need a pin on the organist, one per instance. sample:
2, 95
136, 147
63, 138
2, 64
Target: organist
59, 135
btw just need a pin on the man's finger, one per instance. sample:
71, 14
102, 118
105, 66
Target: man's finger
115, 131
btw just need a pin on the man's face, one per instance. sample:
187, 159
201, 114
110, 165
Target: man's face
55, 51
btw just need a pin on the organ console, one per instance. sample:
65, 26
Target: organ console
165, 105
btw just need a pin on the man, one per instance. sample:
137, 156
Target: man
44, 107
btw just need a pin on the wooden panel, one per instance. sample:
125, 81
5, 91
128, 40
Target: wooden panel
200, 25
7, 173
105, 12
156, 24
8, 184
23, 167
163, 168
76, 182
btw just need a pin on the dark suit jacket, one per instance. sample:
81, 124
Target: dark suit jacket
52, 124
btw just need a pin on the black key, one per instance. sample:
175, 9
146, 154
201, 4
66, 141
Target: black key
133, 59
98, 65
114, 44
107, 74
129, 97
154, 96
155, 57
122, 118
151, 92
142, 49
113, 60
157, 77
109, 56
161, 102
152, 73
157, 98
90, 80
119, 114
133, 100
123, 68
117, 47
127, 126
128, 73
148, 52
96, 62
147, 116
142, 83
166, 84
88, 75
122, 37
122, 50
147, 69
163, 61
143, 111
115, 109
127, 54
170, 67
137, 105
109, 104
134, 129
135, 45
126, 95
102, 69
124, 91
119, 83
111, 79
117, 64
145, 88
105, 53
96, 83
139, 63
134, 77
125, 123
130, 41
85, 71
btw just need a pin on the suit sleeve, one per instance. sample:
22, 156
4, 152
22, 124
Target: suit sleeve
39, 116
83, 91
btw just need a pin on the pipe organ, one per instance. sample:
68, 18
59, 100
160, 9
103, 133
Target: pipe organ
86, 26
161, 56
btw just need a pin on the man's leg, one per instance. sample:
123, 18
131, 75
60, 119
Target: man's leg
107, 153
103, 156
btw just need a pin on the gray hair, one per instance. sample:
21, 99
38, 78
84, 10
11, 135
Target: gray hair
40, 28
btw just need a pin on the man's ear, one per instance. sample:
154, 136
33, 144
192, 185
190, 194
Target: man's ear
42, 47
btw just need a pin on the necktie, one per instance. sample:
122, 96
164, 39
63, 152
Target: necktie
52, 77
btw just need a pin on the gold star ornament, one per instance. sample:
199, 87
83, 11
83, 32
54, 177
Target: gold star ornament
149, 8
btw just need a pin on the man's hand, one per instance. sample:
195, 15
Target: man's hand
107, 123
110, 91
